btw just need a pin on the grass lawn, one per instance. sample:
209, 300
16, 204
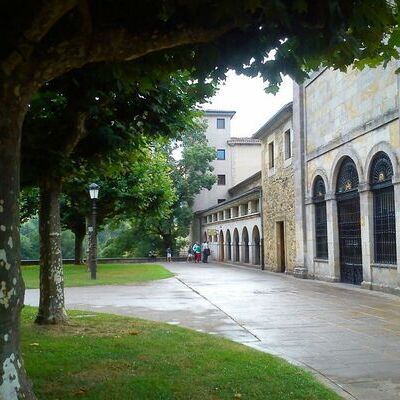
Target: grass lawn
101, 356
107, 274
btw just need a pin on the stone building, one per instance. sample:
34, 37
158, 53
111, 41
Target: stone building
347, 177
220, 214
278, 191
236, 158
233, 228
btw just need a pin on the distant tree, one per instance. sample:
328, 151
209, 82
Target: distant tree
191, 172
140, 186
30, 239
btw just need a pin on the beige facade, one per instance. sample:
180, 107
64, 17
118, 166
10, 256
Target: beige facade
245, 156
241, 159
218, 133
350, 118
278, 191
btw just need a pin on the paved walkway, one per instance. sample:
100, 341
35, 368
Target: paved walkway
348, 335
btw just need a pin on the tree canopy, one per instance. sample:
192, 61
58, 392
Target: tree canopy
56, 35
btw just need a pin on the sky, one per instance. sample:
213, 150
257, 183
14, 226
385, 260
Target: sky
247, 97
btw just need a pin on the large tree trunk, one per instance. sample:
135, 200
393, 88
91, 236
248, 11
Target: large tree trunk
51, 304
14, 383
79, 233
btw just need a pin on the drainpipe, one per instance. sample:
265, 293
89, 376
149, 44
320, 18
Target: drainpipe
262, 227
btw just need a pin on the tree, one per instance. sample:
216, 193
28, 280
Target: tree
76, 119
42, 40
140, 186
190, 173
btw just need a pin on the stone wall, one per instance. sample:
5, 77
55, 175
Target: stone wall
338, 104
278, 201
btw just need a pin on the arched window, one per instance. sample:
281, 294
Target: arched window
321, 235
348, 177
384, 209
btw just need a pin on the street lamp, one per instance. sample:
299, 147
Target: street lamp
94, 195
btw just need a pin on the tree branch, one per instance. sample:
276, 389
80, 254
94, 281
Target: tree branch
115, 45
44, 19
78, 133
84, 11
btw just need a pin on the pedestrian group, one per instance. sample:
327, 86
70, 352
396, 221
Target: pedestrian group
196, 251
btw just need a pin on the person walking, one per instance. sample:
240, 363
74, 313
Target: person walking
169, 254
197, 252
189, 254
206, 251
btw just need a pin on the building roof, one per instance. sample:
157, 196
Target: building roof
220, 113
253, 178
218, 207
284, 113
243, 140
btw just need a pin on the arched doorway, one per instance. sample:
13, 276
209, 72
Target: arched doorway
236, 252
221, 246
348, 207
255, 239
228, 242
245, 244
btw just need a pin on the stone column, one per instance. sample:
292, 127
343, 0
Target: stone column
333, 237
310, 237
249, 207
396, 187
251, 256
367, 232
299, 133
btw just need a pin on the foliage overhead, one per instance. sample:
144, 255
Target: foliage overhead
44, 39
92, 117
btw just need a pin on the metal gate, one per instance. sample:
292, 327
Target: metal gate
350, 240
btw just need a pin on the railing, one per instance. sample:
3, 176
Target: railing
135, 260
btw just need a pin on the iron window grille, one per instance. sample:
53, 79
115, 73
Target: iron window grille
347, 181
321, 231
349, 224
384, 210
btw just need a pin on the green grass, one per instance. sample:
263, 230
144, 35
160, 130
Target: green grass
107, 274
107, 357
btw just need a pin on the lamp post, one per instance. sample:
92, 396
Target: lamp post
94, 194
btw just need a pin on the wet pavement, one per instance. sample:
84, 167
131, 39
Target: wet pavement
347, 336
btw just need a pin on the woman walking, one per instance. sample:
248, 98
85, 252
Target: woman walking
197, 252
